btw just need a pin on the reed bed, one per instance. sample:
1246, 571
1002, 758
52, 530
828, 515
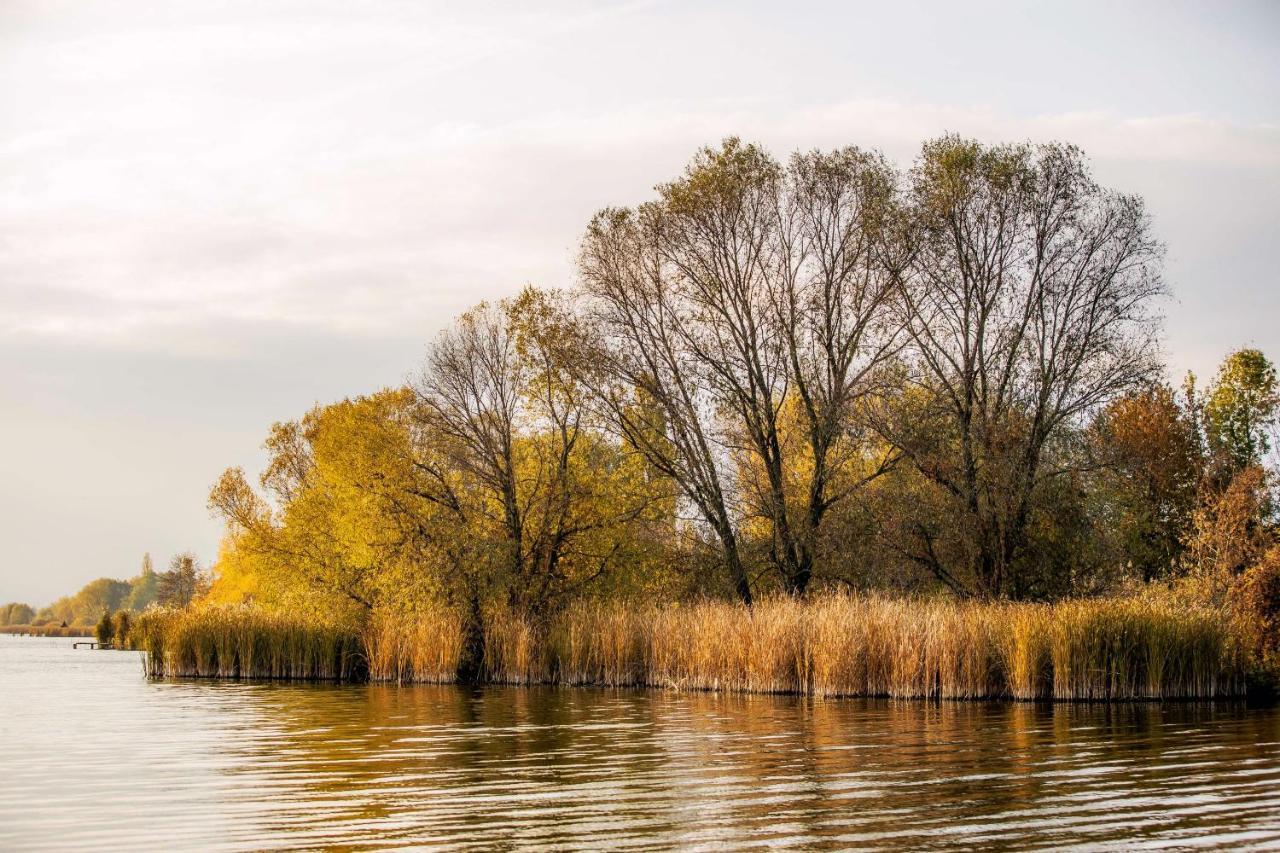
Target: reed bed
244, 642
515, 652
1143, 647
424, 648
837, 645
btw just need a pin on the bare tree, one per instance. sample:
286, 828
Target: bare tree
746, 288
641, 374
501, 411
183, 582
1029, 307
834, 315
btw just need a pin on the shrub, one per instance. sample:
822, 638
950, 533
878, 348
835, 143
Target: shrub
106, 628
121, 628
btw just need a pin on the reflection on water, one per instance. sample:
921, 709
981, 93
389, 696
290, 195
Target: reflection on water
95, 756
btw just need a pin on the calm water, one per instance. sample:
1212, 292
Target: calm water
95, 757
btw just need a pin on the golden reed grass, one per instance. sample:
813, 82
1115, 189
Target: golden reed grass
424, 649
832, 645
838, 645
244, 642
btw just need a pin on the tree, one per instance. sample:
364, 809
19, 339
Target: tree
1240, 410
16, 613
1150, 464
1028, 300
328, 532
142, 589
642, 380
534, 502
95, 597
1227, 536
106, 628
181, 584
743, 286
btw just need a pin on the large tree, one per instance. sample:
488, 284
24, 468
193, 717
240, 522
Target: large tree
529, 502
328, 524
747, 299
1029, 303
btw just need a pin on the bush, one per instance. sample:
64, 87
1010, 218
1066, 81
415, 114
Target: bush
1257, 596
122, 625
106, 628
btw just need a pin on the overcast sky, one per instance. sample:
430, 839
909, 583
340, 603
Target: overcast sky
214, 215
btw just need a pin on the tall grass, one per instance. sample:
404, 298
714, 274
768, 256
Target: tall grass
425, 648
836, 645
514, 648
1143, 647
244, 642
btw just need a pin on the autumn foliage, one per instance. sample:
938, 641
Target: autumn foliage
779, 381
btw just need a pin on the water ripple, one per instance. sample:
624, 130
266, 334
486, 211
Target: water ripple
98, 758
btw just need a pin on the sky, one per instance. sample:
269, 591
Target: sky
214, 215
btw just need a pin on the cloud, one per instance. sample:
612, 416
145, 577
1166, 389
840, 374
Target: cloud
372, 236
213, 215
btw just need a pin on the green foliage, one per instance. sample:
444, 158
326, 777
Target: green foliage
106, 628
143, 588
1240, 409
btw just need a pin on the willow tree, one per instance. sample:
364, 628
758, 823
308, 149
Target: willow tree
1028, 299
745, 291
325, 527
535, 504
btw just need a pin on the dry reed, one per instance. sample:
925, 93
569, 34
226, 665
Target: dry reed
244, 642
1143, 647
424, 648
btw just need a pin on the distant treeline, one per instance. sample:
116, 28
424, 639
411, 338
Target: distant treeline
173, 588
780, 379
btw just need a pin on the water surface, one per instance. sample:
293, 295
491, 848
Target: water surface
97, 757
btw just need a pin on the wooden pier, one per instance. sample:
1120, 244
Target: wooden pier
91, 644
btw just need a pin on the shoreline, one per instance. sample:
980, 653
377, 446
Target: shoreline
46, 631
1245, 698
1108, 650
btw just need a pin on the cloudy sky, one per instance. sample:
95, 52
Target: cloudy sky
215, 214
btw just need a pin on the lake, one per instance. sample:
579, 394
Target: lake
97, 757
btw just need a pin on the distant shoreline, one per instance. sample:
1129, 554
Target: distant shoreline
48, 630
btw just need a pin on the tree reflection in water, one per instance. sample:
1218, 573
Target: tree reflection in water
385, 765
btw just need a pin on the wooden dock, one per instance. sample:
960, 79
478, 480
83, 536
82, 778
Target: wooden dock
91, 644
